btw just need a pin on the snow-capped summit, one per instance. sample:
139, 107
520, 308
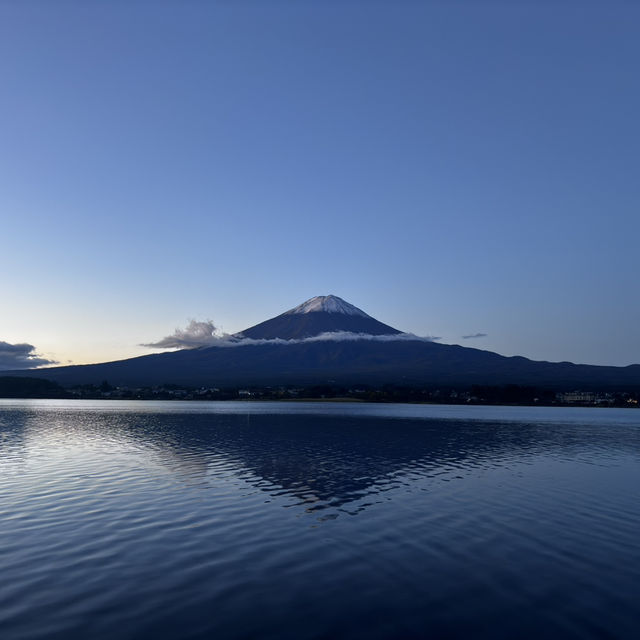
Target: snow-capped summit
329, 304
322, 314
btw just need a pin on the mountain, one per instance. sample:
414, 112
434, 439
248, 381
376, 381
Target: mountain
322, 314
326, 340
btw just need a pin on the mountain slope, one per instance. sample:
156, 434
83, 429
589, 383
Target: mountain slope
352, 362
361, 350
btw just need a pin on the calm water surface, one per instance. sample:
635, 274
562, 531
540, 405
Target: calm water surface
272, 520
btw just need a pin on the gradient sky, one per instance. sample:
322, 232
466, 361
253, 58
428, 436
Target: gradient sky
452, 168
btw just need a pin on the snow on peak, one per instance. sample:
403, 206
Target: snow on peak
328, 304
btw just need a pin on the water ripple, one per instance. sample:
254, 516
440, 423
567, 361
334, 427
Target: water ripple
237, 520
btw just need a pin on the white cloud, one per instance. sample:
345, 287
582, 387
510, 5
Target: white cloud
196, 334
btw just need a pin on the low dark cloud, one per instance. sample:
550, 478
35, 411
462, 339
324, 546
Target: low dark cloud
471, 336
195, 334
20, 356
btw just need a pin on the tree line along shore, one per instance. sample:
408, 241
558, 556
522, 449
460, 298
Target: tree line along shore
511, 394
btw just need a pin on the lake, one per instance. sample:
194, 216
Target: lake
317, 520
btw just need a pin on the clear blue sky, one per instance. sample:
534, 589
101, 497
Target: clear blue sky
451, 168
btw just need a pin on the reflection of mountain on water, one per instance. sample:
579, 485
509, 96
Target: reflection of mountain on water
318, 460
333, 461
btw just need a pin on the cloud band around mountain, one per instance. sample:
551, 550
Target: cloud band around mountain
472, 336
198, 334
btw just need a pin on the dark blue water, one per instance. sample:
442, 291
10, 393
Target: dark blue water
242, 520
